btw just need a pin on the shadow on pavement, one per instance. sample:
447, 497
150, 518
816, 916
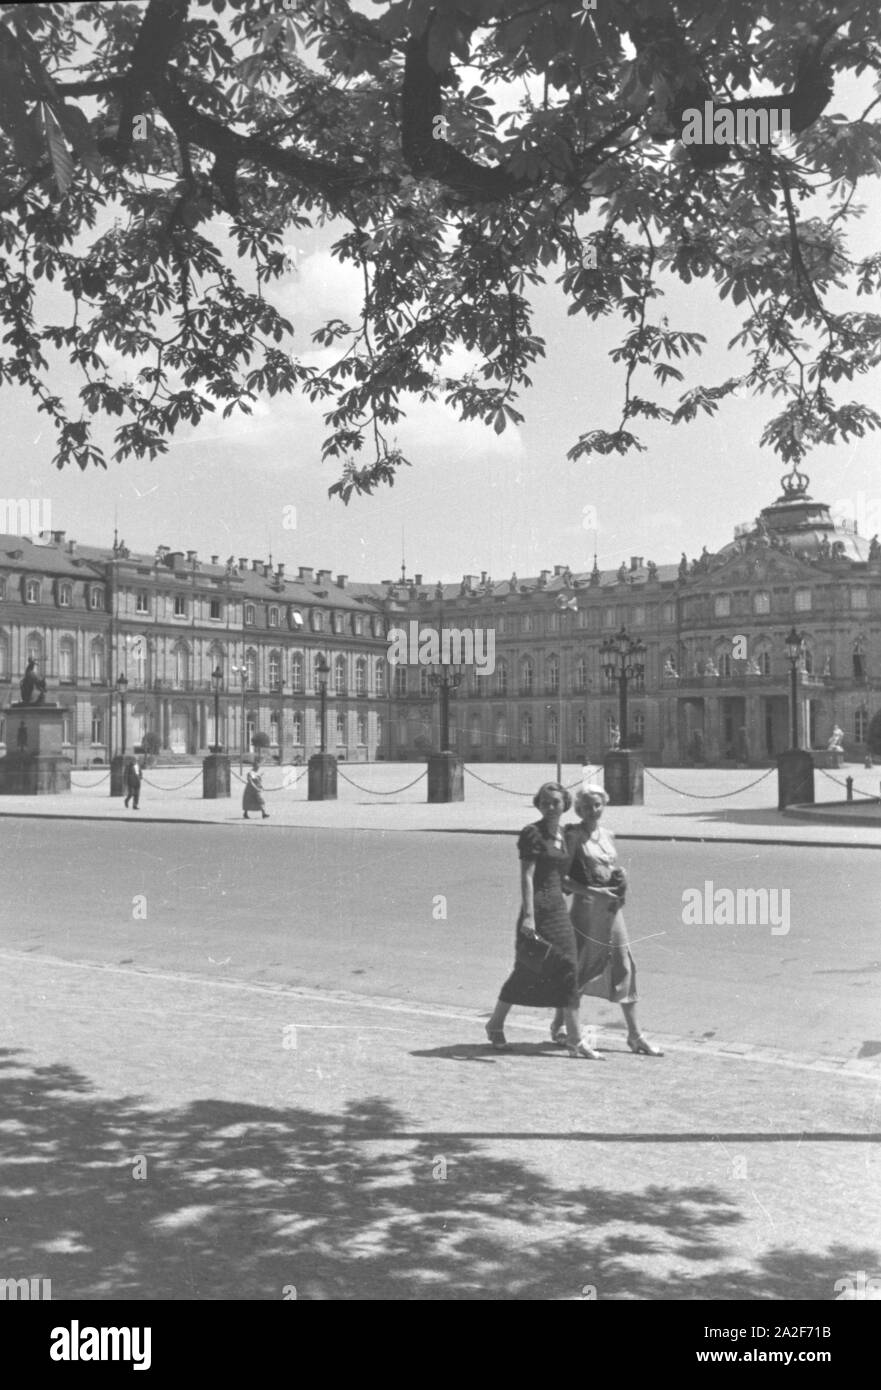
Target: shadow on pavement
250, 1202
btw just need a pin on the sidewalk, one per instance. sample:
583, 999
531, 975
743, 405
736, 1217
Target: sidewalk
349, 1148
738, 805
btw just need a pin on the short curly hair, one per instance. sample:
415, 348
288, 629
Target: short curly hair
554, 787
593, 790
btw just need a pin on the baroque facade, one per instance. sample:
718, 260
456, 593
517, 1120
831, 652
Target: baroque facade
716, 683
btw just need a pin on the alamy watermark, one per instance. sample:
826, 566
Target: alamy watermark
31, 1290
724, 126
25, 516
744, 907
416, 645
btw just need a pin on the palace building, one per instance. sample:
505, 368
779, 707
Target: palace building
715, 688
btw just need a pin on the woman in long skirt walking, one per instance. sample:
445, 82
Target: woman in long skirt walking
545, 963
598, 883
252, 797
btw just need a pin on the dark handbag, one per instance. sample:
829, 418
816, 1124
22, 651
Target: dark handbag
533, 956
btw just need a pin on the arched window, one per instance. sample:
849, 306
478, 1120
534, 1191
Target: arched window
66, 660
502, 678
361, 730
859, 659
553, 726
723, 663
552, 675
339, 675
808, 661
32, 591
341, 726
96, 668
317, 620
400, 680
274, 727
251, 669
250, 614
275, 670
475, 731
424, 682
860, 725
361, 679
297, 729
501, 733
611, 725
526, 729
65, 595
637, 727
581, 729
97, 726
273, 617
380, 675
526, 676
379, 732
581, 675
763, 661
296, 672
96, 599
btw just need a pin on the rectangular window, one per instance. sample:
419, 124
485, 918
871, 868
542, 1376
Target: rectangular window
215, 609
761, 603
66, 728
859, 598
65, 662
96, 600
180, 606
273, 617
340, 726
97, 727
639, 616
722, 605
802, 600
142, 601
64, 596
668, 613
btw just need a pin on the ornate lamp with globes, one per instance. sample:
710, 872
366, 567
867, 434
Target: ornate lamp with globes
795, 767
623, 662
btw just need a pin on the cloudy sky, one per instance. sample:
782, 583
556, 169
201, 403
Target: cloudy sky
473, 500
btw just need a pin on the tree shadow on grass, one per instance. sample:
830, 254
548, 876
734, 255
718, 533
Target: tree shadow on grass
219, 1200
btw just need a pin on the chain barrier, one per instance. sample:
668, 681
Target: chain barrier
372, 792
712, 796
856, 791
495, 786
157, 786
285, 786
93, 784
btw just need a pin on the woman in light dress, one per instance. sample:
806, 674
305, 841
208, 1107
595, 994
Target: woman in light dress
598, 884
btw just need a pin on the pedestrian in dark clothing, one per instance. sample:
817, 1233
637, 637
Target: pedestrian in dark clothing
132, 779
252, 799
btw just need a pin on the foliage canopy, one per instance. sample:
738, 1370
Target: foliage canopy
466, 150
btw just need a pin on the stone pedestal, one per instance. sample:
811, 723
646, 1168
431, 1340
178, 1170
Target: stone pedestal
36, 765
117, 775
215, 776
322, 777
828, 757
795, 778
623, 778
446, 777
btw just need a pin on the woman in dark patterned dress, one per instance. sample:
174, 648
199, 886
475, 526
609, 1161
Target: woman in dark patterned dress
598, 883
545, 964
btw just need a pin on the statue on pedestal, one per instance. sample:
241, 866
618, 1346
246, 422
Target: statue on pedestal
32, 686
836, 741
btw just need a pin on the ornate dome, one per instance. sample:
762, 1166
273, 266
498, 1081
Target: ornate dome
799, 525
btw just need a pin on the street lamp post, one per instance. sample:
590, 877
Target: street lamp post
566, 603
122, 687
445, 768
215, 767
795, 768
794, 647
322, 671
243, 672
623, 661
322, 765
217, 683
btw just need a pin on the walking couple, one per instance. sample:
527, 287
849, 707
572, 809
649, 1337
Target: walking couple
561, 954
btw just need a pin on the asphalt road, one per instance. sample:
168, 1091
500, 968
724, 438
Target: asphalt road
237, 1062
428, 918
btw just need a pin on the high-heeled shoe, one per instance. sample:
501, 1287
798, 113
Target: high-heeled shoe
581, 1049
497, 1037
642, 1046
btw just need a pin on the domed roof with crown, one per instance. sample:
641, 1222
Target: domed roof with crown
800, 526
